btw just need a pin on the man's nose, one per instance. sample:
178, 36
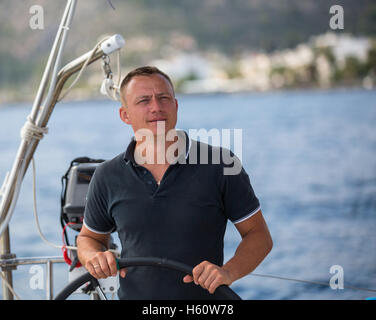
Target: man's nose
155, 105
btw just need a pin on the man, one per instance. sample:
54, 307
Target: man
162, 204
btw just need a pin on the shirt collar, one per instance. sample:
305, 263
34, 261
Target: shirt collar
129, 153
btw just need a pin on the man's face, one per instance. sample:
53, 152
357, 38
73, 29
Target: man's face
149, 100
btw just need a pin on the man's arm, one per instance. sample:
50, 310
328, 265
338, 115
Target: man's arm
255, 245
94, 255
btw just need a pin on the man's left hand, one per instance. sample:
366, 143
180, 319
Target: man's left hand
209, 276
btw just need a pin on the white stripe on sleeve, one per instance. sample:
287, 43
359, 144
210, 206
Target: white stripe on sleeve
247, 216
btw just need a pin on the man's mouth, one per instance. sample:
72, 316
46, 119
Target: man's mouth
156, 120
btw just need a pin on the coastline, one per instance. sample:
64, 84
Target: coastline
87, 95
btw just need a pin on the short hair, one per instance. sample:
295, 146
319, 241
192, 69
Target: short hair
143, 71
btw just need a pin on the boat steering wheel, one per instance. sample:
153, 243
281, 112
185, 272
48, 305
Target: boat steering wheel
223, 292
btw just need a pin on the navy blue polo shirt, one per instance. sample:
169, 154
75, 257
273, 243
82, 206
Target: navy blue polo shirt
183, 218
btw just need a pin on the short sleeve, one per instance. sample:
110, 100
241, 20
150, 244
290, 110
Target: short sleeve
96, 216
239, 199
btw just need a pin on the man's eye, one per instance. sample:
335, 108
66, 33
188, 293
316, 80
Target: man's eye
143, 101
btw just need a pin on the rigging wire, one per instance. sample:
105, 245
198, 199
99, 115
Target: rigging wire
308, 281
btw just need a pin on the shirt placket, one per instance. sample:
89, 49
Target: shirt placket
149, 180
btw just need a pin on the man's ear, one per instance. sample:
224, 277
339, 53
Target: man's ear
123, 113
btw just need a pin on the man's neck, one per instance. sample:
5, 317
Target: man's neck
157, 149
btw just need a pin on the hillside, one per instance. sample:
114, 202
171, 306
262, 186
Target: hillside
155, 28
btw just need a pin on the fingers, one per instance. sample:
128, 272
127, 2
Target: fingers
187, 279
201, 273
209, 276
212, 282
103, 265
123, 272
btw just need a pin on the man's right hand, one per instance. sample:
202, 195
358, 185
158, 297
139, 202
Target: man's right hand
103, 265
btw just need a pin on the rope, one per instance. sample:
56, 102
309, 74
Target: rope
31, 131
9, 286
84, 66
116, 91
36, 215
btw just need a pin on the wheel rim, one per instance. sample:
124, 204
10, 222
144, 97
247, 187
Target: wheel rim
222, 292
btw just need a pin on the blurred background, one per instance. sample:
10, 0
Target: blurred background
206, 45
302, 93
